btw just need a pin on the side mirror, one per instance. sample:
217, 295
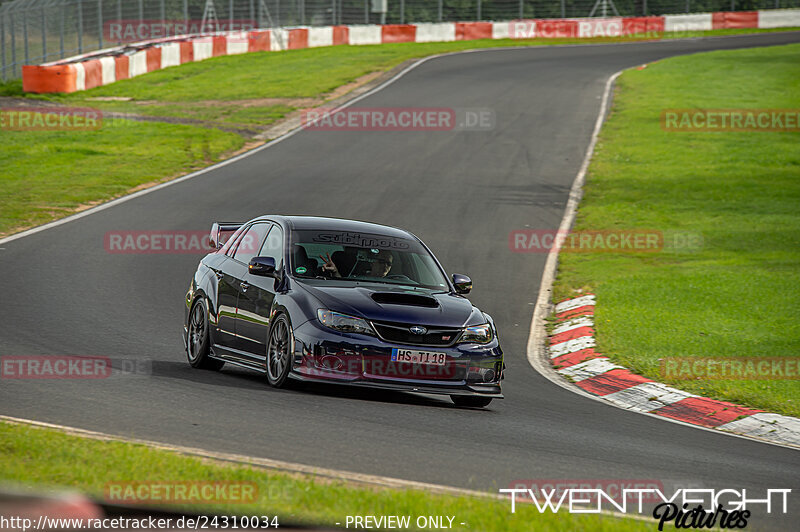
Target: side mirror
462, 283
263, 266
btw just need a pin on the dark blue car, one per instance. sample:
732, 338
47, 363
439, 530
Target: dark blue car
339, 301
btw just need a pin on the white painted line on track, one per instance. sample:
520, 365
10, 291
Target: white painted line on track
582, 301
537, 349
265, 463
588, 369
570, 346
647, 396
570, 325
782, 428
291, 467
383, 85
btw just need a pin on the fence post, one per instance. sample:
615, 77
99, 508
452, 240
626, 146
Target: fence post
13, 42
3, 44
402, 11
100, 23
440, 10
80, 26
61, 30
119, 20
479, 11
25, 34
366, 11
44, 36
230, 14
733, 5
141, 11
163, 13
688, 5
644, 8
520, 9
563, 9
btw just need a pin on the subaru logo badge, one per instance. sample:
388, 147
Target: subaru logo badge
416, 329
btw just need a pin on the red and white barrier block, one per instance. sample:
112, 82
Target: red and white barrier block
115, 64
572, 353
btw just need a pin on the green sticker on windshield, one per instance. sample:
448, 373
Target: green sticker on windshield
301, 269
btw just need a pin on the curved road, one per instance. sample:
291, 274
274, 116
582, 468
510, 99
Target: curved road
461, 192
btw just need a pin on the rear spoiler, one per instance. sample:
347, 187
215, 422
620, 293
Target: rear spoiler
221, 231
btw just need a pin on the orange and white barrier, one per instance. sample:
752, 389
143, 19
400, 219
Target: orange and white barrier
101, 68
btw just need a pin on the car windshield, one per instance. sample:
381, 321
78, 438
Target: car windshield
356, 256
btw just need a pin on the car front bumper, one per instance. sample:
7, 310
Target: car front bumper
324, 355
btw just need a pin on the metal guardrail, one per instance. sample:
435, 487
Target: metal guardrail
40, 31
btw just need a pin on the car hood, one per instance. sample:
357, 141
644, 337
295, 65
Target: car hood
380, 302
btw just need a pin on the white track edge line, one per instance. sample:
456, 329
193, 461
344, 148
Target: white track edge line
123, 199
291, 467
266, 463
213, 167
536, 350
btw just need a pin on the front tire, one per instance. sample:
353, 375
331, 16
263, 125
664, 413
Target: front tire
197, 342
279, 351
473, 401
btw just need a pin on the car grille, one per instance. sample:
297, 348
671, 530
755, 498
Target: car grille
399, 333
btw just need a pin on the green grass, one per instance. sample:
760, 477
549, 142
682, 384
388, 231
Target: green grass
47, 175
738, 295
48, 458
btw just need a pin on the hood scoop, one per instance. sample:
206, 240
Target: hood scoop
399, 298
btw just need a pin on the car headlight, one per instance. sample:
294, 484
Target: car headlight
343, 322
479, 334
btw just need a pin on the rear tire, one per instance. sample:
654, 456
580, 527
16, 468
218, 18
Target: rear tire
473, 401
198, 349
280, 349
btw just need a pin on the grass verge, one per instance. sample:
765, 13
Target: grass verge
49, 175
738, 293
44, 457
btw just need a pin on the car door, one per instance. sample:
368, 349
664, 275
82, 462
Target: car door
256, 295
227, 272
232, 277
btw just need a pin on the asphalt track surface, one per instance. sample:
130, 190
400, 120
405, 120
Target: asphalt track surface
461, 192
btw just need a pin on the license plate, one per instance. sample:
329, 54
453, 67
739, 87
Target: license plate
418, 357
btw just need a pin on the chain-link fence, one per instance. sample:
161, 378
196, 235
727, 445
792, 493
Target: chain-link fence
39, 31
